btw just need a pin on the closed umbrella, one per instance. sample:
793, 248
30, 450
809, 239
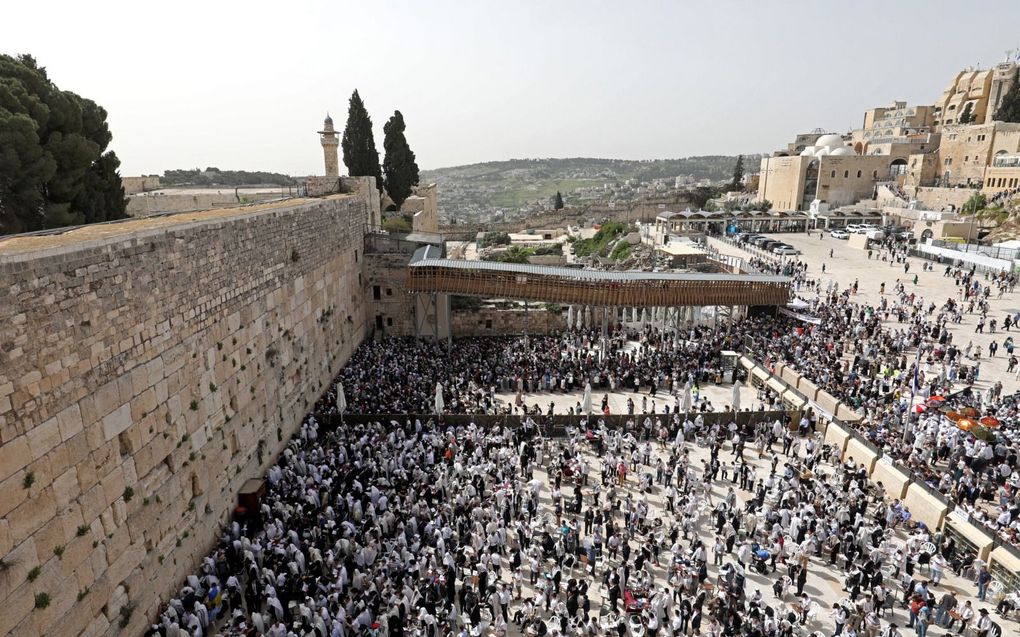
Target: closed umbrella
586, 401
341, 399
736, 397
439, 399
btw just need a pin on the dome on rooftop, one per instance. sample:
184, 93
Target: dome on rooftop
808, 152
830, 140
823, 151
842, 150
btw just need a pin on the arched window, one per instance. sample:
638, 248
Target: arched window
833, 175
858, 174
846, 174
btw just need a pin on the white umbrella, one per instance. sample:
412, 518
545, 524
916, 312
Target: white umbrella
686, 407
586, 401
736, 396
439, 399
341, 399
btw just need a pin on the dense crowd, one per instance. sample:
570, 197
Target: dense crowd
418, 528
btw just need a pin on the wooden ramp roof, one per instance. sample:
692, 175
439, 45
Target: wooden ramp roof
488, 279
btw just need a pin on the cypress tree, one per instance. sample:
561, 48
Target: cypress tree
558, 202
1009, 108
358, 143
399, 165
967, 116
738, 173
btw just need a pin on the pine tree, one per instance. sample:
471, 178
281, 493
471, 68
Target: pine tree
558, 201
967, 115
738, 174
358, 143
1009, 107
399, 164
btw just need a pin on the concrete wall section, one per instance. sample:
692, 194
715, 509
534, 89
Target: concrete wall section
924, 506
147, 370
894, 480
836, 435
860, 453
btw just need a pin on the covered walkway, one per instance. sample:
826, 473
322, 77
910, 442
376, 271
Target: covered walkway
486, 279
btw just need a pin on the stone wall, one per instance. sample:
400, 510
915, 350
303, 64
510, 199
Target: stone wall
147, 369
489, 321
943, 198
133, 185
390, 306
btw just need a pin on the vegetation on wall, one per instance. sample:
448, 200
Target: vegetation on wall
399, 166
54, 167
358, 143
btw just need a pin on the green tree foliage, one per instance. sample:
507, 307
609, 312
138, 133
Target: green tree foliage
54, 168
597, 244
621, 251
494, 239
399, 165
358, 143
401, 224
215, 177
1009, 108
738, 174
513, 254
700, 195
967, 115
976, 203
558, 201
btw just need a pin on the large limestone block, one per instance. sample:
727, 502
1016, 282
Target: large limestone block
116, 421
14, 456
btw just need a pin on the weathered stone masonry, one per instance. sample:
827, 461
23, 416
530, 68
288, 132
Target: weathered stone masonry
144, 376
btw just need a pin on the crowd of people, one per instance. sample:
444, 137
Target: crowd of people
667, 526
419, 528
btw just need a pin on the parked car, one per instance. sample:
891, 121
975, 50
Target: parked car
876, 234
785, 250
768, 244
854, 228
759, 239
748, 238
839, 234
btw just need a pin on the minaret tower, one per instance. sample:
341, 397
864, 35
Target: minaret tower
330, 142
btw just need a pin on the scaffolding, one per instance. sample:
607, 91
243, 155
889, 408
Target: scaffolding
569, 286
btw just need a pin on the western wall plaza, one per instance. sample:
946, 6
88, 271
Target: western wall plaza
348, 370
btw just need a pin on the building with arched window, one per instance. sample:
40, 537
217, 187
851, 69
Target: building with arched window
828, 171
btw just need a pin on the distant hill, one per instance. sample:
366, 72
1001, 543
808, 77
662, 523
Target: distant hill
477, 189
216, 177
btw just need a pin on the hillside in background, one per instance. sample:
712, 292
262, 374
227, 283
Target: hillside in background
476, 191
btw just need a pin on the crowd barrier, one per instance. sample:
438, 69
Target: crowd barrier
555, 424
925, 503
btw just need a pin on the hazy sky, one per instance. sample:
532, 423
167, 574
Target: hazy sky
245, 85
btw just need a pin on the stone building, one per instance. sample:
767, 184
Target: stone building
967, 149
982, 89
828, 171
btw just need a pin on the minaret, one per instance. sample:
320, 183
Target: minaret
330, 142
